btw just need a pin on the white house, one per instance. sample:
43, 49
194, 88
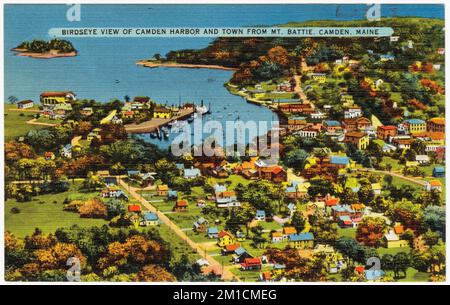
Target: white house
352, 112
421, 159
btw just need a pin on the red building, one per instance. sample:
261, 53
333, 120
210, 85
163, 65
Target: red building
384, 132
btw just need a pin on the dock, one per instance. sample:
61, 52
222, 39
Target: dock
156, 123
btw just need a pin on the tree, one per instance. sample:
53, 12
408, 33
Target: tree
366, 194
370, 231
434, 218
278, 55
387, 262
320, 187
296, 158
93, 208
407, 213
154, 273
114, 208
401, 264
12, 99
298, 221
324, 231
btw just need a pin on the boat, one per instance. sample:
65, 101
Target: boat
153, 135
202, 109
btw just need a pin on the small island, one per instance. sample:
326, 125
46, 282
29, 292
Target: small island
45, 49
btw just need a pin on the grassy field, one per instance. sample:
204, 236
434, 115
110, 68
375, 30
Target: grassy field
393, 162
46, 213
15, 122
348, 232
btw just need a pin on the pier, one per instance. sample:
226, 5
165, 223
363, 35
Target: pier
156, 123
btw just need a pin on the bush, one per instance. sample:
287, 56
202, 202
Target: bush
15, 210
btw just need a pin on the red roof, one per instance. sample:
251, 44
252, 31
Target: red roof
224, 233
251, 262
399, 229
182, 203
55, 93
277, 169
134, 208
359, 269
332, 201
232, 247
389, 127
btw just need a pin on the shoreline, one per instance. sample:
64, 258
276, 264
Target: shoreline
48, 55
149, 64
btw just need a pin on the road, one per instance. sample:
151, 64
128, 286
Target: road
410, 179
227, 275
33, 122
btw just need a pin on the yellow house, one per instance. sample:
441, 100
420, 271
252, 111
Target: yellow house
301, 240
416, 125
359, 139
393, 241
55, 98
318, 77
226, 238
162, 113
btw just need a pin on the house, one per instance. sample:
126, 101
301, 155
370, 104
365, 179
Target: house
340, 161
332, 127
439, 172
287, 231
229, 249
402, 143
296, 123
356, 124
225, 238
134, 208
162, 190
296, 108
172, 195
260, 215
352, 112
133, 173
436, 125
181, 206
376, 188
201, 203
318, 115
433, 185
67, 151
385, 132
162, 113
213, 232
359, 139
422, 159
225, 198
441, 51
301, 240
121, 195
25, 104
318, 77
277, 237
48, 155
201, 225
387, 57
86, 111
308, 132
150, 219
265, 276
273, 173
251, 264
240, 255
392, 240
240, 236
191, 173
415, 125
55, 98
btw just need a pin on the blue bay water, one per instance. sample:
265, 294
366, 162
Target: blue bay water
106, 68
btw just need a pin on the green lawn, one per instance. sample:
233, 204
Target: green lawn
392, 251
347, 232
46, 213
393, 162
15, 123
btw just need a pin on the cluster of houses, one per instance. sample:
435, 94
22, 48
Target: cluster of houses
56, 104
